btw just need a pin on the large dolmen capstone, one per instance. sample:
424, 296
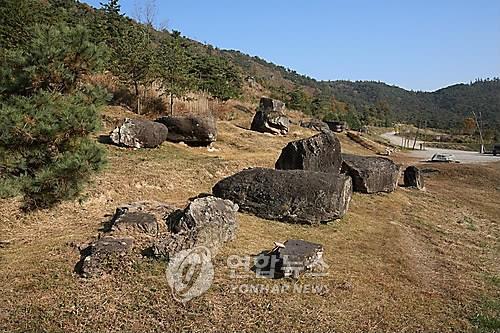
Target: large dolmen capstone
295, 196
137, 133
270, 117
192, 130
371, 174
318, 153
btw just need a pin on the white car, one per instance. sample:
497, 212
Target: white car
442, 157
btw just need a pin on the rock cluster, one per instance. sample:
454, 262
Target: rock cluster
312, 182
136, 133
270, 117
152, 228
192, 130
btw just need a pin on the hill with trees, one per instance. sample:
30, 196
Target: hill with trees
141, 55
51, 51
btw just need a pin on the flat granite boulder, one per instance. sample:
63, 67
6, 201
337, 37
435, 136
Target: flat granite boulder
296, 196
294, 257
371, 174
136, 133
317, 153
270, 117
104, 255
206, 221
300, 256
192, 130
144, 216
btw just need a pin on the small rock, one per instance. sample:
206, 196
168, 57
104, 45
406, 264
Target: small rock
413, 177
290, 259
300, 256
139, 134
315, 124
139, 216
104, 255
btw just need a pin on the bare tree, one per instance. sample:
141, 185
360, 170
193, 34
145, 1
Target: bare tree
146, 12
479, 124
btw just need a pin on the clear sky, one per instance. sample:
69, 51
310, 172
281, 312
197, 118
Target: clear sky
416, 44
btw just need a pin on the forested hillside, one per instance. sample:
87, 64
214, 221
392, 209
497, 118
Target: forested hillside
140, 55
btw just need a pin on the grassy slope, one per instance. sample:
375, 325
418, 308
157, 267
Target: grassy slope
404, 261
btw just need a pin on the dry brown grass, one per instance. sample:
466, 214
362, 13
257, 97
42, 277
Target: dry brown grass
406, 261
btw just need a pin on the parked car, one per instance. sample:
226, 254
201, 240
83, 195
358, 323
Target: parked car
442, 157
496, 149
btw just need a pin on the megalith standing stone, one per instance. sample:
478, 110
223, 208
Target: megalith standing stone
413, 177
270, 117
318, 153
371, 174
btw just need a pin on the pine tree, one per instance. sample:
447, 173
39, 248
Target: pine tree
173, 67
47, 114
216, 76
133, 59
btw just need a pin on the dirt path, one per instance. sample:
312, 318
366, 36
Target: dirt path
461, 155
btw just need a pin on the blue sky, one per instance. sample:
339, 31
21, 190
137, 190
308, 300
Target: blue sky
417, 44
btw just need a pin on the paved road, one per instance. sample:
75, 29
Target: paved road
461, 155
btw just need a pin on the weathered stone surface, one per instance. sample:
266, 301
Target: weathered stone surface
139, 134
270, 117
315, 124
144, 216
290, 259
371, 174
413, 177
295, 196
318, 153
207, 221
104, 255
192, 130
300, 256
